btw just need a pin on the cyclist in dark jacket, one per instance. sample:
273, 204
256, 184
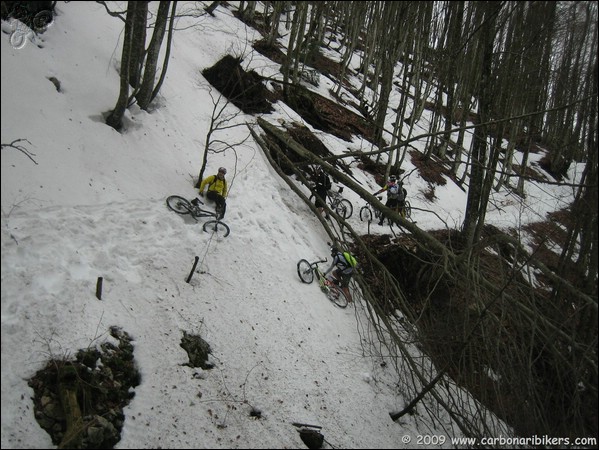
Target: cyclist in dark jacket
321, 189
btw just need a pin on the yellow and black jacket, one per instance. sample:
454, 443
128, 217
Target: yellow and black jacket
214, 184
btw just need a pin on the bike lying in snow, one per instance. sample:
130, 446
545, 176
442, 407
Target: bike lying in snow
183, 206
306, 271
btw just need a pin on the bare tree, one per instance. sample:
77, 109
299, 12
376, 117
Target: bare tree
138, 46
135, 19
354, 16
167, 52
290, 66
476, 203
134, 54
274, 21
224, 112
144, 95
222, 119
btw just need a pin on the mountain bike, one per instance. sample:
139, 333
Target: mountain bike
183, 206
341, 206
367, 215
306, 271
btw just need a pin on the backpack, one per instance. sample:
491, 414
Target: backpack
396, 192
324, 180
393, 191
350, 259
214, 178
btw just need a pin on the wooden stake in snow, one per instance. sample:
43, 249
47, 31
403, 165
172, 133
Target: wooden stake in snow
195, 263
99, 288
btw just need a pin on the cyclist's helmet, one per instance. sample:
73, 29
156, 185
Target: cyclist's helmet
392, 178
334, 250
222, 170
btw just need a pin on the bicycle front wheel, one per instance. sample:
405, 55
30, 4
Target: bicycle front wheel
178, 204
337, 296
344, 209
305, 272
365, 214
217, 227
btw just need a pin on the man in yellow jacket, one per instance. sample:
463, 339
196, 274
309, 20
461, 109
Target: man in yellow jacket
217, 191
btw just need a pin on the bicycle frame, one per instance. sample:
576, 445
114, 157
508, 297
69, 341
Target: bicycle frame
196, 212
322, 280
335, 198
340, 205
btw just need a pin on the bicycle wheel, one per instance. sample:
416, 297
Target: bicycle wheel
344, 209
305, 272
337, 296
365, 214
217, 227
178, 204
407, 209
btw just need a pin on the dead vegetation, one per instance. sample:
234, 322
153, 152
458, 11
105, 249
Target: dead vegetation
244, 89
79, 402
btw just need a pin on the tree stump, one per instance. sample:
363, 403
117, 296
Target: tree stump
67, 388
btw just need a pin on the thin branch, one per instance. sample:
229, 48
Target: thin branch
118, 14
22, 149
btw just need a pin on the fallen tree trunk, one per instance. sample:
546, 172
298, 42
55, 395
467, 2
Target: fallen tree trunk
424, 239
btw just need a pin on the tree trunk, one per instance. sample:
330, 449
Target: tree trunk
144, 96
274, 21
210, 9
138, 44
167, 54
299, 48
294, 41
115, 118
474, 204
